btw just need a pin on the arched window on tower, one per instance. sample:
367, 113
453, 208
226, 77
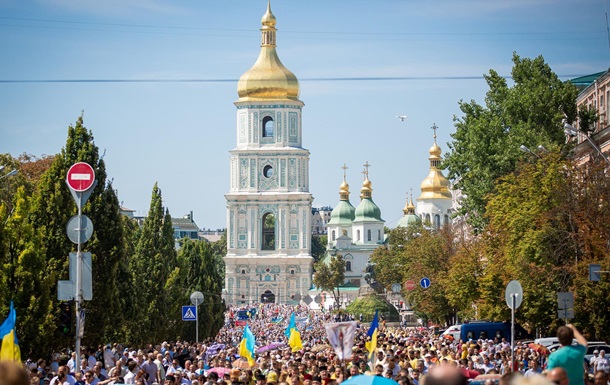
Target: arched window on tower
368, 235
357, 235
437, 221
333, 235
379, 235
446, 220
268, 126
268, 232
348, 265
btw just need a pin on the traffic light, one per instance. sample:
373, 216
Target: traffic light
65, 318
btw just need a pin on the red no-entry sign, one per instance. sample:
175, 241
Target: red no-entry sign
410, 285
80, 177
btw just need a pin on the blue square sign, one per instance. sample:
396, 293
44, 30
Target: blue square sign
189, 313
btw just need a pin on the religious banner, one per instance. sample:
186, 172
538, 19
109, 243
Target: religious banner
341, 337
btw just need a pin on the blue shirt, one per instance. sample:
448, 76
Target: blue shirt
571, 358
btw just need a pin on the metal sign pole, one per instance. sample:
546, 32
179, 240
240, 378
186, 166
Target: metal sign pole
79, 267
197, 326
512, 334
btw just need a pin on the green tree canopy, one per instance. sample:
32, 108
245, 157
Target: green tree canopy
487, 139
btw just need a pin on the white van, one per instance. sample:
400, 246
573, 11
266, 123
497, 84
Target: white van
453, 331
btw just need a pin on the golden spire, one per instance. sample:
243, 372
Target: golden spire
435, 186
367, 186
409, 206
268, 79
344, 188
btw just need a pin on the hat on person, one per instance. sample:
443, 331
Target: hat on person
427, 355
308, 376
596, 351
272, 377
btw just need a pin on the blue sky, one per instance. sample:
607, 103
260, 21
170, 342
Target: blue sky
179, 133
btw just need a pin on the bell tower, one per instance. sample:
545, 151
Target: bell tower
269, 205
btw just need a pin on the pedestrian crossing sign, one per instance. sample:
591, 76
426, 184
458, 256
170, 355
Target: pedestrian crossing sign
189, 313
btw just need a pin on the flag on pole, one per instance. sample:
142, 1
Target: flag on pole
291, 325
341, 338
294, 337
246, 346
10, 345
371, 345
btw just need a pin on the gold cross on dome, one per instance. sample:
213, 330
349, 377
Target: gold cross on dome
366, 169
434, 128
344, 168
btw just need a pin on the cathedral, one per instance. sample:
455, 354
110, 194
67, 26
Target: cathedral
269, 204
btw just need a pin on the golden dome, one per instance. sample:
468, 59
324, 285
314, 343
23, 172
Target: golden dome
344, 187
435, 150
268, 79
435, 186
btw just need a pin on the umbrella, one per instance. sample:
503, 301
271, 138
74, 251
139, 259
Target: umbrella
482, 378
271, 346
362, 379
220, 371
539, 348
242, 364
448, 337
320, 347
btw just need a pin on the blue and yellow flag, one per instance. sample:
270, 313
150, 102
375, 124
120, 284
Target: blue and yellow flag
371, 345
246, 346
10, 346
294, 337
291, 325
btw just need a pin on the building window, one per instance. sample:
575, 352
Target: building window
379, 235
344, 232
348, 265
437, 221
368, 235
243, 271
292, 271
446, 220
333, 235
268, 127
268, 232
357, 235
268, 171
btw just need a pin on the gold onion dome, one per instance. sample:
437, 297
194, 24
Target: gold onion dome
409, 215
268, 79
435, 186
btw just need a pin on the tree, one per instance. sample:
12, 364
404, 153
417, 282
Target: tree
487, 139
153, 265
529, 239
52, 208
414, 253
330, 275
318, 246
23, 275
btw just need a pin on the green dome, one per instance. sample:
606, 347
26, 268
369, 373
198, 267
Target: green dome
343, 214
406, 220
367, 210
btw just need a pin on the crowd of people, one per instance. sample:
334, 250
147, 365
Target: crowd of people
406, 355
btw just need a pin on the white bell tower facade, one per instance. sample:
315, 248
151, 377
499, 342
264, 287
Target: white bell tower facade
269, 205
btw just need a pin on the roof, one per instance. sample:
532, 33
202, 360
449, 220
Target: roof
184, 224
583, 82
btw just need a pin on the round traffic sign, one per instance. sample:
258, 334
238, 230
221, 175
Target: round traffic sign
297, 297
410, 285
79, 233
197, 298
317, 299
424, 282
396, 288
513, 289
80, 177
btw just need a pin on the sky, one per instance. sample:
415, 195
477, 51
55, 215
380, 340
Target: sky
156, 81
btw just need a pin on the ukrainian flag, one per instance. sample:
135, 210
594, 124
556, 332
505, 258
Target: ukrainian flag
294, 337
371, 345
246, 346
10, 346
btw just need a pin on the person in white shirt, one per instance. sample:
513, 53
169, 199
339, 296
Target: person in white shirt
132, 370
601, 363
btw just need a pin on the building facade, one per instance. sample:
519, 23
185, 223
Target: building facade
269, 205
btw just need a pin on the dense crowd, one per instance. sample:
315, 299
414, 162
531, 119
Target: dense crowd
405, 355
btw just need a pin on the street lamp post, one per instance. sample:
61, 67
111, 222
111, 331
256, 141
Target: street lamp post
572, 131
10, 173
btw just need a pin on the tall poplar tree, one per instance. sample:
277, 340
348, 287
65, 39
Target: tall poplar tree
152, 266
53, 208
